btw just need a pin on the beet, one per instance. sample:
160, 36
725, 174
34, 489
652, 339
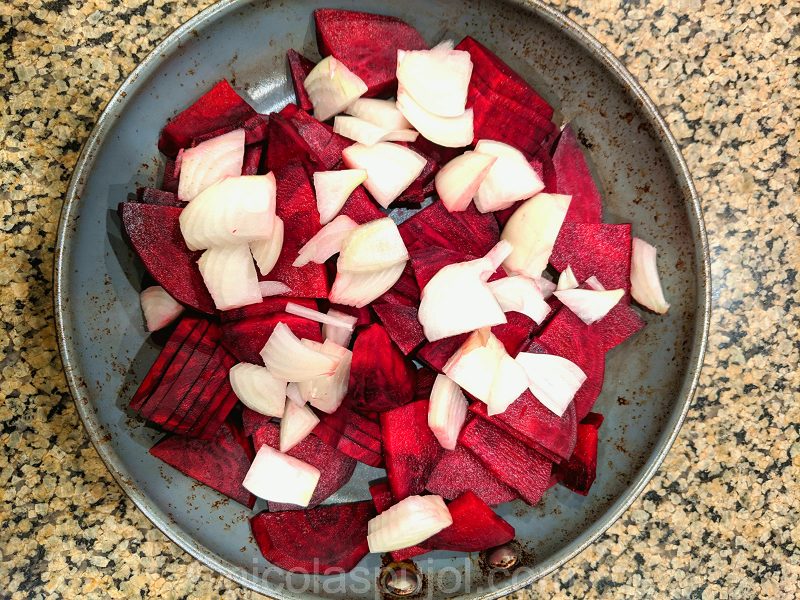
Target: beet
618, 325
367, 44
246, 338
579, 472
469, 231
439, 154
361, 208
416, 192
299, 68
402, 325
510, 460
220, 463
593, 419
218, 108
352, 434
255, 130
297, 206
410, 449
475, 527
575, 179
429, 260
252, 159
169, 180
383, 500
284, 144
363, 314
324, 539
436, 354
155, 234
459, 471
267, 306
153, 196
598, 249
252, 421
381, 377
335, 468
326, 146
405, 292
516, 332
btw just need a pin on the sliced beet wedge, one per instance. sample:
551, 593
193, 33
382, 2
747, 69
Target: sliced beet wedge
352, 434
598, 249
255, 130
516, 333
425, 380
402, 325
360, 207
169, 180
410, 448
155, 234
436, 354
367, 44
245, 338
299, 68
429, 260
579, 472
326, 146
575, 179
405, 292
325, 539
459, 471
252, 159
469, 231
252, 421
475, 527
220, 463
618, 325
284, 144
153, 196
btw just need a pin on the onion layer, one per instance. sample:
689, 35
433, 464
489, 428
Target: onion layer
315, 315
407, 523
257, 389
297, 422
230, 276
459, 180
277, 477
273, 288
450, 132
327, 393
510, 179
521, 294
209, 162
288, 358
567, 280
437, 79
159, 308
359, 289
645, 283
390, 168
326, 242
382, 113
552, 379
331, 87
590, 305
532, 231
339, 335
447, 411
333, 188
266, 252
368, 133
372, 246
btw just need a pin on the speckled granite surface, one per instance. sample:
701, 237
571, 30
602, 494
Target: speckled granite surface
721, 519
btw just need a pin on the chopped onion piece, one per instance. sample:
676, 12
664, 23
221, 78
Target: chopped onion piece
372, 246
315, 315
474, 364
645, 283
382, 113
297, 422
567, 280
257, 389
407, 523
293, 394
327, 393
159, 308
510, 179
521, 294
232, 211
277, 477
359, 289
590, 305
390, 168
532, 231
450, 132
209, 162
339, 335
266, 252
288, 358
594, 283
368, 133
326, 242
447, 411
552, 379
333, 188
437, 79
230, 276
509, 382
546, 286
273, 288
459, 180
332, 87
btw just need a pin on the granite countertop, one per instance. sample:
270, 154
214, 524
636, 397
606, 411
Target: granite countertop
721, 517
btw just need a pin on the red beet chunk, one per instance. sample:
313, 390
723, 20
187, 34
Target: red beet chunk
416, 192
436, 354
579, 472
405, 292
381, 377
598, 249
252, 159
252, 421
425, 380
326, 146
153, 196
352, 434
323, 539
155, 234
297, 206
401, 324
245, 338
335, 468
220, 107
220, 463
255, 130
475, 527
429, 260
516, 333
460, 471
469, 231
510, 460
284, 144
169, 181
575, 179
367, 44
299, 68
593, 419
410, 448
267, 306
435, 152
361, 208
618, 325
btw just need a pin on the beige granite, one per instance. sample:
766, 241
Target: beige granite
720, 520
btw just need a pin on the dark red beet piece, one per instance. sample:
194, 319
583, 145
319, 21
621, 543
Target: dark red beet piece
475, 527
155, 234
435, 152
352, 434
618, 325
335, 468
425, 380
510, 460
299, 68
267, 306
284, 144
361, 208
415, 193
245, 338
169, 180
367, 44
326, 539
252, 159
593, 419
220, 463
459, 471
401, 324
516, 332
252, 421
429, 260
575, 179
255, 130
468, 231
410, 448
405, 292
218, 108
436, 354
326, 146
153, 196
579, 472
598, 249
381, 377
383, 500
363, 314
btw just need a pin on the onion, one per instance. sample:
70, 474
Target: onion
447, 411
594, 283
567, 280
459, 180
382, 113
277, 477
508, 383
327, 393
339, 335
230, 276
159, 308
257, 389
326, 242
293, 394
315, 315
209, 162
407, 523
331, 87
368, 133
546, 286
273, 288
288, 358
552, 379
372, 246
266, 252
390, 168
359, 289
521, 294
532, 231
590, 305
297, 422
333, 188
510, 179
645, 283
474, 364
232, 211
437, 79
450, 132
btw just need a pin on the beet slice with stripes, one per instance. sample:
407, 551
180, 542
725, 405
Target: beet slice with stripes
579, 472
299, 68
352, 434
360, 207
475, 527
469, 231
284, 144
220, 462
330, 538
326, 146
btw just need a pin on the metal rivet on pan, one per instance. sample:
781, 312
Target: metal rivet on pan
400, 579
502, 557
